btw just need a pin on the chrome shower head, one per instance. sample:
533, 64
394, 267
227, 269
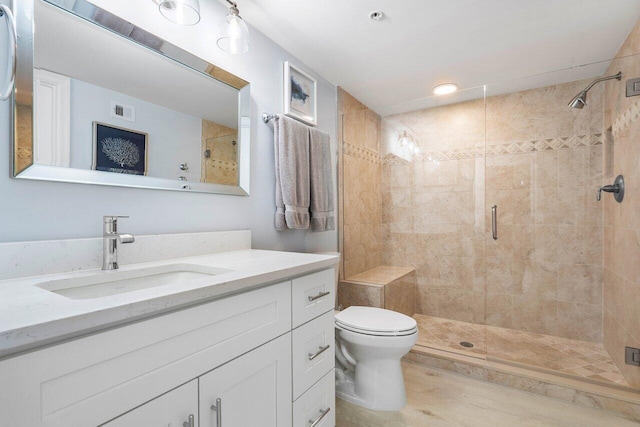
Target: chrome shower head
580, 100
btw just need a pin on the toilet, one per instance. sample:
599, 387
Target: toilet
369, 345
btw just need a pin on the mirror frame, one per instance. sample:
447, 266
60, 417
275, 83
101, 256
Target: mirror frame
24, 11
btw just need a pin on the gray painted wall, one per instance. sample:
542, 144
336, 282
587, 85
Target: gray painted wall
174, 137
33, 210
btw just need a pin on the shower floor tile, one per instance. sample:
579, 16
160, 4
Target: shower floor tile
574, 357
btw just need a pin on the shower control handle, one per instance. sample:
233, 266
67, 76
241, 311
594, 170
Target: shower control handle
617, 188
608, 189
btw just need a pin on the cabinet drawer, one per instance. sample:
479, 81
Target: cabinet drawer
307, 300
313, 351
91, 380
319, 399
171, 409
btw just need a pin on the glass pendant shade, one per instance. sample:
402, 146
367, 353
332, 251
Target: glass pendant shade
182, 12
233, 36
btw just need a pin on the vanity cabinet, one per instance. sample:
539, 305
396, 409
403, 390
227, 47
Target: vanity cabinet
164, 369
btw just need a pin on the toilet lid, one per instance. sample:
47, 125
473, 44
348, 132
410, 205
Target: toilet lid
375, 321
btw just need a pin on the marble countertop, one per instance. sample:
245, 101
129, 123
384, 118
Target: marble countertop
31, 317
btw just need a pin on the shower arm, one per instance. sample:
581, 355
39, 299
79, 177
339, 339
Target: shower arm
602, 79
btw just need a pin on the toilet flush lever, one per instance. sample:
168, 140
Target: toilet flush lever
617, 188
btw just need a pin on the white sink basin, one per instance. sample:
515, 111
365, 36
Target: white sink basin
115, 282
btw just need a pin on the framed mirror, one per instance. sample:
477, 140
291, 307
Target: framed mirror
105, 102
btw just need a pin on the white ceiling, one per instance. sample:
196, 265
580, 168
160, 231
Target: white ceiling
392, 65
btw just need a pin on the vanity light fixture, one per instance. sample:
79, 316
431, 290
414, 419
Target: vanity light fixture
233, 36
181, 12
445, 89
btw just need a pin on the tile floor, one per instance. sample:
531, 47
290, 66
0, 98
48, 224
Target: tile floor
579, 358
438, 398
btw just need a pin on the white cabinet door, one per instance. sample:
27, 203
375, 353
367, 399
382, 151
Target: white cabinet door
254, 389
177, 408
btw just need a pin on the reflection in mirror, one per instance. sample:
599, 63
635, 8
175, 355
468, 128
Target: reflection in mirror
112, 107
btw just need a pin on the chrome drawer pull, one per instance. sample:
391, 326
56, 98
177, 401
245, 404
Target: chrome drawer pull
320, 295
320, 351
314, 423
190, 423
217, 408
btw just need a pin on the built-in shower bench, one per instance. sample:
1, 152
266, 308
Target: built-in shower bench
393, 288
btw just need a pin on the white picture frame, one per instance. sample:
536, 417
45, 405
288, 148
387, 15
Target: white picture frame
300, 95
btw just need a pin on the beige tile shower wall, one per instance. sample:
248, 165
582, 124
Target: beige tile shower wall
543, 163
432, 221
622, 220
360, 206
222, 165
433, 207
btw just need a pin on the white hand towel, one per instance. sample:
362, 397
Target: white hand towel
291, 147
321, 205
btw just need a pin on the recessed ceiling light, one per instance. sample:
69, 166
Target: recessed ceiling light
376, 15
445, 89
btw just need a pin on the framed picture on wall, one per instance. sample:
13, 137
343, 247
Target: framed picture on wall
300, 95
119, 150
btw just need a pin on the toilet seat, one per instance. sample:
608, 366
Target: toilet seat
375, 321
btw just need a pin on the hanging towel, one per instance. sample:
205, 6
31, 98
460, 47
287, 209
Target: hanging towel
321, 205
291, 147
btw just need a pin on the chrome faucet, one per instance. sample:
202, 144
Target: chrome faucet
110, 239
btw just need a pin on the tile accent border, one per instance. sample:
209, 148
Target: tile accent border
361, 153
625, 403
626, 119
518, 147
560, 143
221, 164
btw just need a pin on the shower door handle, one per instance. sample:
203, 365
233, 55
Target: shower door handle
494, 222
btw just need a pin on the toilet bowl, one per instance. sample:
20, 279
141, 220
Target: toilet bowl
369, 345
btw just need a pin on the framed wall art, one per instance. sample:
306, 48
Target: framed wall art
300, 95
119, 150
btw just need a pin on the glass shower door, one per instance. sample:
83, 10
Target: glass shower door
434, 205
544, 272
